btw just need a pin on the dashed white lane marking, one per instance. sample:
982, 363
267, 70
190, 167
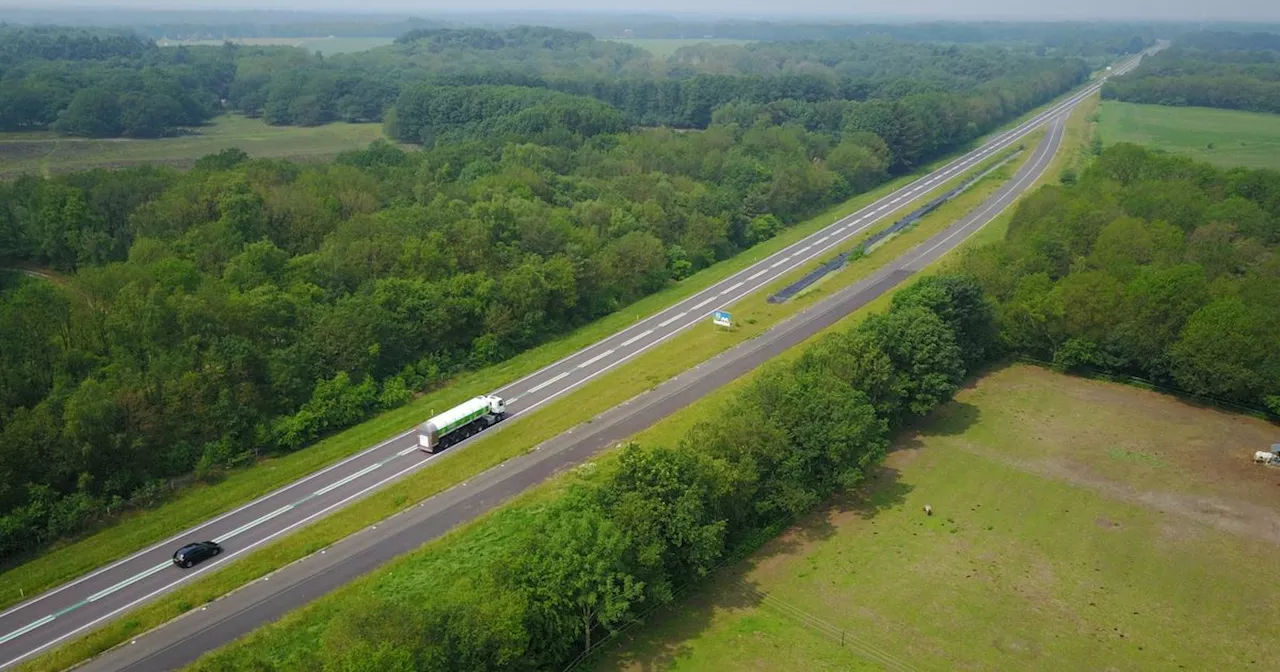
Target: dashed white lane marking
273, 514
635, 338
348, 479
542, 385
126, 583
758, 274
24, 630
704, 302
672, 319
779, 262
598, 357
731, 289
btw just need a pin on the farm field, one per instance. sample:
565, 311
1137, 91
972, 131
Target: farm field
664, 47
46, 153
1077, 524
1221, 137
325, 45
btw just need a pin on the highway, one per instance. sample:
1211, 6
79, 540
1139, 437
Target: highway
78, 606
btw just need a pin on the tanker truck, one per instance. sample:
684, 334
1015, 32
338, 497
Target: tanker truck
464, 420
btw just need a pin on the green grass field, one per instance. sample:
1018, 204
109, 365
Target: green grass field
662, 47
46, 153
1220, 137
325, 45
1077, 525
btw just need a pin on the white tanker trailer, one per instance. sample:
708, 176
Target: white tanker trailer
464, 420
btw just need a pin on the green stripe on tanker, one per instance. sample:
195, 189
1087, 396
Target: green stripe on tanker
461, 422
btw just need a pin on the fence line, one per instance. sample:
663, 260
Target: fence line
1147, 384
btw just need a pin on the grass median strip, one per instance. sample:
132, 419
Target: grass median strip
662, 362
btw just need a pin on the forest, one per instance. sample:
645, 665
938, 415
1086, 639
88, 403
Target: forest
1150, 265
537, 586
98, 83
1232, 71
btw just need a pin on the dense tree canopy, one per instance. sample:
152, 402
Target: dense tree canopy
1150, 265
86, 83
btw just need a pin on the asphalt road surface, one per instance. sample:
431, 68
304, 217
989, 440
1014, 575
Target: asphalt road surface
72, 609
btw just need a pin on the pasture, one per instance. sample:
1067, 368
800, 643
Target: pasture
1221, 137
1076, 524
46, 153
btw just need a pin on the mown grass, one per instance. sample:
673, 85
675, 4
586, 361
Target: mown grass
46, 153
1221, 137
1050, 548
664, 47
754, 313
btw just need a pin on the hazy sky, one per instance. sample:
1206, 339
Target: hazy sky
1028, 9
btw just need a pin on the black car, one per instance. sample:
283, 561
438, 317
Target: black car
192, 553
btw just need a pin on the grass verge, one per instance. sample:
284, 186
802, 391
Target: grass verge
680, 353
1222, 137
1078, 524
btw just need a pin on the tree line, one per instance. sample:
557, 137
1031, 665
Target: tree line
543, 583
137, 89
1150, 265
1225, 70
86, 83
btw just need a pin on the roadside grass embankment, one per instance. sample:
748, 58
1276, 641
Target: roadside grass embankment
680, 353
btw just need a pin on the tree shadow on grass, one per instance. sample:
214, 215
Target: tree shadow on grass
667, 634
950, 419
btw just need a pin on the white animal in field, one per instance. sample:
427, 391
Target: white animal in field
1264, 457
